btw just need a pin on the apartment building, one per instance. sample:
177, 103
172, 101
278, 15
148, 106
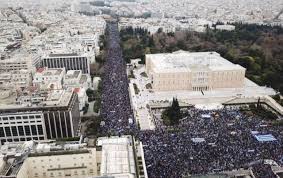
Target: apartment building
45, 76
15, 79
14, 64
76, 79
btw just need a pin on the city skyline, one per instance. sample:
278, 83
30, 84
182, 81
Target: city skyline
141, 88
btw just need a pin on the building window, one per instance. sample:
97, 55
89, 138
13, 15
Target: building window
33, 130
21, 130
2, 132
8, 131
14, 131
40, 130
27, 130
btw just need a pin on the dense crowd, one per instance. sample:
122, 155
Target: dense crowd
210, 141
203, 141
116, 109
263, 170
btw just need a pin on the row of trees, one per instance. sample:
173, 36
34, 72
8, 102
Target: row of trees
92, 123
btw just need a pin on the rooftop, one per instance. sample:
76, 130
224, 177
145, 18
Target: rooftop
48, 72
17, 153
183, 61
63, 55
34, 99
117, 155
83, 79
72, 74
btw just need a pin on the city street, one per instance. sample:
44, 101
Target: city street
116, 109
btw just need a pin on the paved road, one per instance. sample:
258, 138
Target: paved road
116, 109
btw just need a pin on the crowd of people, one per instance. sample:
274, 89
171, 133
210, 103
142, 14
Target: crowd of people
263, 170
115, 106
210, 141
202, 142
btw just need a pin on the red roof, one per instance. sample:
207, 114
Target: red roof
77, 90
39, 70
32, 88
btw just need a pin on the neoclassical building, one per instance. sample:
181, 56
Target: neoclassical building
194, 71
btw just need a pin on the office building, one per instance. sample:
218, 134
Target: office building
71, 61
38, 115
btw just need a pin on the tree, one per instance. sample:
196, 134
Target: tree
151, 42
181, 44
160, 30
172, 115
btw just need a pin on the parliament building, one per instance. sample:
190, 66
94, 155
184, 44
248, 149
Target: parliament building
193, 71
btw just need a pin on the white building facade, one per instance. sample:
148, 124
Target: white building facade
71, 61
83, 164
200, 71
23, 126
38, 115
